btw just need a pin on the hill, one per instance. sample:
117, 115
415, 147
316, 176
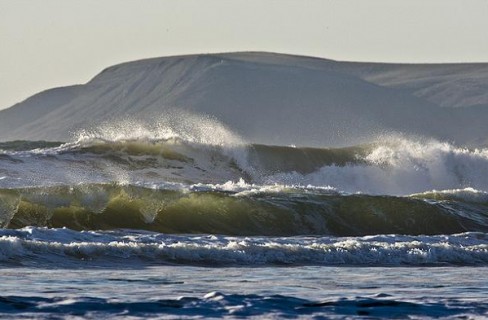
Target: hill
270, 98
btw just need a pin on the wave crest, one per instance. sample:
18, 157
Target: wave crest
191, 128
395, 166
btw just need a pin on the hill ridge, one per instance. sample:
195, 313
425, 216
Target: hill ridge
269, 98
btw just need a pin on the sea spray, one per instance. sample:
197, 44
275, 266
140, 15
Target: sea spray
399, 167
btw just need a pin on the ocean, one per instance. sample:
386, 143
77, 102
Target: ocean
163, 223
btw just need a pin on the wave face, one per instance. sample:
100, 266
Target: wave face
240, 209
199, 177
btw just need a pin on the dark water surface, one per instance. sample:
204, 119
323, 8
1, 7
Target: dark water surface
266, 292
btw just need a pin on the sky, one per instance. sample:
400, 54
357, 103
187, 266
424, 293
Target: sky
52, 43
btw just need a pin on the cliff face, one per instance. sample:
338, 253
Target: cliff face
269, 98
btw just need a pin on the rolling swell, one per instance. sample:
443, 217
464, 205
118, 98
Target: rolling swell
265, 159
393, 166
247, 211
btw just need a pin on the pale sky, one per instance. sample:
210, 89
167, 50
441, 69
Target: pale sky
51, 43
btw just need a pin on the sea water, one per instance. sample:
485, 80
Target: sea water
178, 224
137, 291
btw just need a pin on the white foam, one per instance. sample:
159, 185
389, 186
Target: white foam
401, 167
57, 245
242, 188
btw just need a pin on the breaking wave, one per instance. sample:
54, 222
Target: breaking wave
394, 166
196, 176
241, 209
